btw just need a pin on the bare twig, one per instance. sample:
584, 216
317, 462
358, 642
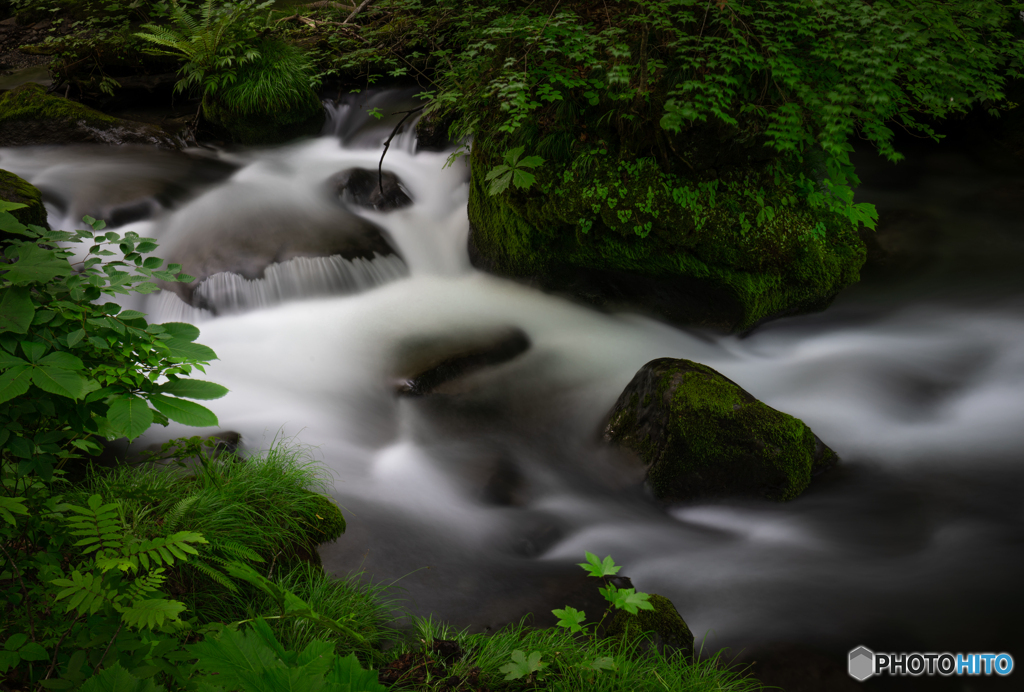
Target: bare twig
56, 649
356, 11
109, 644
380, 172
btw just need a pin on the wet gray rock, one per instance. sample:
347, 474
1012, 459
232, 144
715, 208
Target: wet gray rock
429, 365
361, 187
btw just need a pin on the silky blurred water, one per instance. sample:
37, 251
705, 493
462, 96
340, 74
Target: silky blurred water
480, 500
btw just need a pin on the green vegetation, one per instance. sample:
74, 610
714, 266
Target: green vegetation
19, 191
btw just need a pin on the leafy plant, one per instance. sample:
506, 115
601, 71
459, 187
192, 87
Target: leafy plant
523, 666
513, 171
213, 47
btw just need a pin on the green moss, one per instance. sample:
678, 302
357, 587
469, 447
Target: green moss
15, 189
664, 622
741, 240
30, 102
701, 434
325, 521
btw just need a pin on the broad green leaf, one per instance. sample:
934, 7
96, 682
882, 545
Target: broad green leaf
512, 155
75, 336
496, 171
180, 330
16, 309
184, 412
347, 671
8, 659
14, 382
522, 179
522, 665
33, 350
131, 315
36, 265
530, 162
194, 389
8, 360
59, 381
9, 506
570, 618
15, 641
600, 568
232, 657
7, 205
129, 416
500, 184
188, 350
33, 652
601, 663
63, 359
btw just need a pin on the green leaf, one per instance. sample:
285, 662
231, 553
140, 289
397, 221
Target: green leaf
152, 613
522, 665
347, 671
63, 359
60, 381
15, 641
530, 162
131, 315
522, 179
194, 389
512, 155
16, 309
570, 618
496, 171
129, 416
600, 568
75, 336
180, 330
499, 185
36, 265
33, 652
601, 663
184, 412
8, 360
33, 350
9, 506
14, 382
186, 350
630, 600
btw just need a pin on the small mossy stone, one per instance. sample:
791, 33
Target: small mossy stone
664, 624
15, 189
701, 434
326, 523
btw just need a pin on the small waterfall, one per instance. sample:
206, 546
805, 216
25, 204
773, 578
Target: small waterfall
296, 279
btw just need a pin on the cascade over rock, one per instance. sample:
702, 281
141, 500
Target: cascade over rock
700, 434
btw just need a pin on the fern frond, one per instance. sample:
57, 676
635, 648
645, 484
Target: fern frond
236, 550
144, 585
214, 574
163, 550
99, 526
172, 518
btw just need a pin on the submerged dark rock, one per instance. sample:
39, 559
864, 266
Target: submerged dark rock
699, 433
426, 365
664, 625
28, 116
363, 188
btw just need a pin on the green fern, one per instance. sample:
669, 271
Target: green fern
99, 525
178, 511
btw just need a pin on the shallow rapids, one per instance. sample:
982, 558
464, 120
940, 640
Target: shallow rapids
478, 500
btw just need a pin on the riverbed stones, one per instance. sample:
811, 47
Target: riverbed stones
29, 115
700, 434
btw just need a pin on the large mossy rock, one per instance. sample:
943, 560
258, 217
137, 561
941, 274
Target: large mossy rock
29, 115
15, 189
701, 434
696, 249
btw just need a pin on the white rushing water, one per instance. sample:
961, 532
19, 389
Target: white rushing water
482, 498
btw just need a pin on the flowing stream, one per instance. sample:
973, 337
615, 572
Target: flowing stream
481, 498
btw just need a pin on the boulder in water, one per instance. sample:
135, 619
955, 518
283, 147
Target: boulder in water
664, 625
242, 231
364, 188
699, 433
427, 364
28, 115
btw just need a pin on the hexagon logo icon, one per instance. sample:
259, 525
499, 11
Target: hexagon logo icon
862, 663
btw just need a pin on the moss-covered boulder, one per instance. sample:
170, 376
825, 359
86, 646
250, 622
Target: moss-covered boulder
29, 115
700, 434
15, 189
728, 244
664, 625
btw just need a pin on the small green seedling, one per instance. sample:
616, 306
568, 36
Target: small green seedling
523, 666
